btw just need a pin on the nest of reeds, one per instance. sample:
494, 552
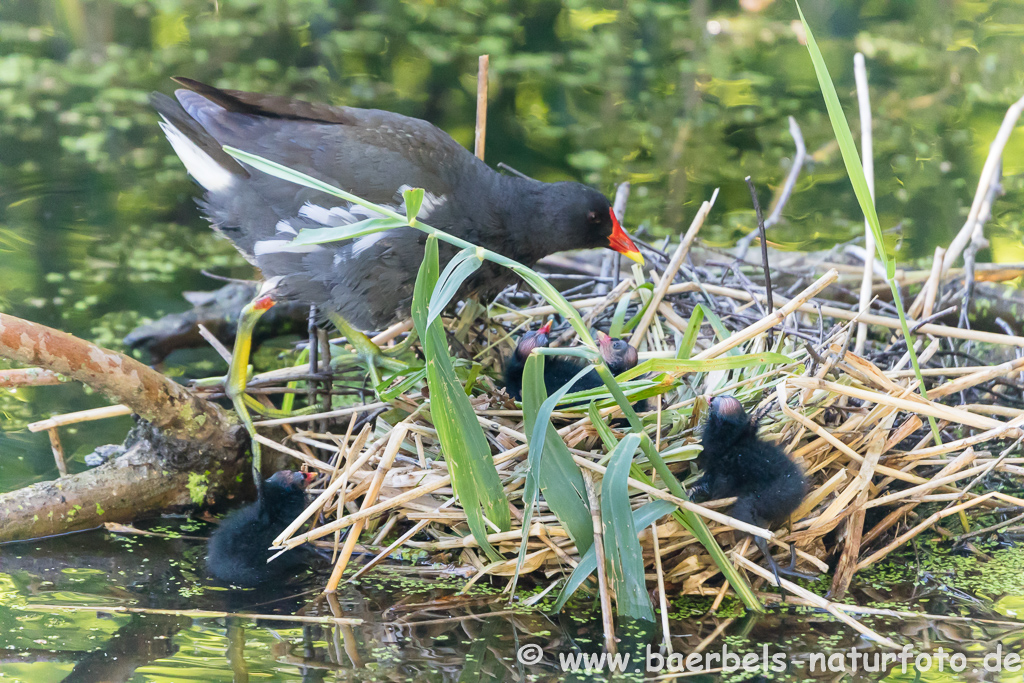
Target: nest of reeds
853, 418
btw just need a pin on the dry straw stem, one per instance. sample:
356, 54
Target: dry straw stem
817, 601
670, 271
394, 445
912, 404
932, 519
860, 74
79, 416
989, 173
602, 579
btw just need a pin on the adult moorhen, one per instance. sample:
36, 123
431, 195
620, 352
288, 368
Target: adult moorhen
375, 155
239, 548
768, 485
365, 282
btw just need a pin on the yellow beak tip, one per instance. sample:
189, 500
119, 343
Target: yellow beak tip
634, 256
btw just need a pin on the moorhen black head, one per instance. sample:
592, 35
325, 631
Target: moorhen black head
375, 155
240, 547
768, 485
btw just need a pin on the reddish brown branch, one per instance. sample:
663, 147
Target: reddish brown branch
167, 405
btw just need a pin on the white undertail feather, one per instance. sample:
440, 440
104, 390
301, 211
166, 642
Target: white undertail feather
264, 247
199, 164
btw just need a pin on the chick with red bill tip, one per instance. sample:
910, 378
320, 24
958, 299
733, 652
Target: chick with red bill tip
768, 486
239, 549
617, 354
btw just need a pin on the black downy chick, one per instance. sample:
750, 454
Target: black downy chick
239, 548
768, 485
618, 355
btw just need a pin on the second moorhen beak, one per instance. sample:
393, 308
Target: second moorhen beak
620, 242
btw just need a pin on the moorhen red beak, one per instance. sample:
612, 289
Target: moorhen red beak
620, 241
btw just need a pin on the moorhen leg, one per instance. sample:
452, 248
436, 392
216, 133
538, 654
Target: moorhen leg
238, 374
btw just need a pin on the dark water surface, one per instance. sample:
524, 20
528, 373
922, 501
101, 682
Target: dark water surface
415, 627
99, 231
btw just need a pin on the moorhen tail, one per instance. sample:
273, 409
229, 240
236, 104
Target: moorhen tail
375, 155
240, 547
768, 485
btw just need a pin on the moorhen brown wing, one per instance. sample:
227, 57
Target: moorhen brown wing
375, 155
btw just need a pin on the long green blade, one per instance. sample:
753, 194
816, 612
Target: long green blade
643, 517
463, 442
686, 366
624, 556
558, 475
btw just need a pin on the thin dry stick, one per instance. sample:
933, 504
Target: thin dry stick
58, 451
976, 378
817, 601
764, 249
320, 416
932, 284
481, 106
988, 175
867, 155
221, 350
394, 445
900, 540
846, 566
79, 416
666, 634
771, 320
912, 403
602, 578
787, 189
672, 268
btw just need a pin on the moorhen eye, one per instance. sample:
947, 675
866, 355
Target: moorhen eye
768, 485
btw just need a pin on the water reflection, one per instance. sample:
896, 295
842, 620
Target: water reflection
415, 626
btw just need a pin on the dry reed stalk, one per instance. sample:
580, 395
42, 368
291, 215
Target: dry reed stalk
671, 269
79, 416
903, 538
818, 602
846, 567
394, 445
860, 74
912, 404
989, 172
769, 321
604, 590
341, 412
480, 137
